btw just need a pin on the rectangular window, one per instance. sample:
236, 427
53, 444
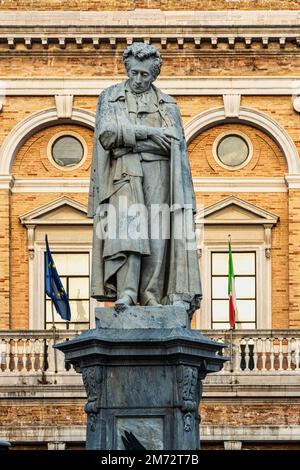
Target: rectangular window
245, 286
74, 271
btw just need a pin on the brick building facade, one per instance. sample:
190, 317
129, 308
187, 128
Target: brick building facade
234, 69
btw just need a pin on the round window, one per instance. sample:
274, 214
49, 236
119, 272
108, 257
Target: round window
67, 151
232, 150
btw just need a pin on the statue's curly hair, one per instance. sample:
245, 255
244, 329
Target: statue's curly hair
142, 51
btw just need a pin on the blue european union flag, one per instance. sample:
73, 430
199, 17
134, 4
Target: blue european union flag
54, 288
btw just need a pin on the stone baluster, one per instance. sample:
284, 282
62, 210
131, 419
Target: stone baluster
51, 363
289, 353
247, 354
14, 362
272, 354
31, 355
37, 355
23, 349
236, 355
242, 354
297, 354
7, 354
280, 357
255, 354
263, 354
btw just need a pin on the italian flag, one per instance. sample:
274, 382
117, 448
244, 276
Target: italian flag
231, 289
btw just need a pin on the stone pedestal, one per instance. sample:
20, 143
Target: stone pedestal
142, 369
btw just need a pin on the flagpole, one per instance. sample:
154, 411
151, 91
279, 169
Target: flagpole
54, 338
231, 330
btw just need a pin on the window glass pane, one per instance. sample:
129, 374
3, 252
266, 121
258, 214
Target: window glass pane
79, 288
245, 326
67, 151
79, 326
79, 310
220, 287
243, 263
220, 326
245, 287
246, 310
57, 318
72, 264
220, 263
220, 310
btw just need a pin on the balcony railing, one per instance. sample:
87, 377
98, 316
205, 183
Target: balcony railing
27, 353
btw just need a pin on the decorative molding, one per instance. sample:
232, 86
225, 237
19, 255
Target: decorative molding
296, 103
293, 181
258, 216
6, 181
250, 433
50, 185
213, 27
250, 116
237, 214
32, 124
39, 215
238, 185
201, 185
231, 105
64, 106
188, 86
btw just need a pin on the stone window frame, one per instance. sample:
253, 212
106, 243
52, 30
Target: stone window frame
38, 223
232, 132
260, 220
67, 133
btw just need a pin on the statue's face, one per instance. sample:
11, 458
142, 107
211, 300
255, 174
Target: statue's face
140, 75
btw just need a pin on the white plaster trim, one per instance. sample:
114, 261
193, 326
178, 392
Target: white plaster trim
6, 181
232, 104
174, 86
33, 216
293, 181
32, 124
51, 185
261, 215
239, 185
208, 433
260, 120
201, 185
64, 106
249, 433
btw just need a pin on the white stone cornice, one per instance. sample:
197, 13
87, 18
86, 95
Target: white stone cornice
51, 185
208, 184
212, 27
273, 86
6, 181
293, 181
240, 185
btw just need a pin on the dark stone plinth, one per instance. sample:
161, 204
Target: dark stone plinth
143, 370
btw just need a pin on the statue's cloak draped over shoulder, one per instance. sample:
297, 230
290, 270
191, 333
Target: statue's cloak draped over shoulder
182, 277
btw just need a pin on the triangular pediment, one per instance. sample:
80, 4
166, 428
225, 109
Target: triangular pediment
233, 210
60, 211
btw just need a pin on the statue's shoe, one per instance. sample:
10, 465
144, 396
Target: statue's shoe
123, 302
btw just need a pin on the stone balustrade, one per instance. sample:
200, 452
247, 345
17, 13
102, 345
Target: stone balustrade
30, 353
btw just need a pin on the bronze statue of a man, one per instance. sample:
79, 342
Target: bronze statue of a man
140, 158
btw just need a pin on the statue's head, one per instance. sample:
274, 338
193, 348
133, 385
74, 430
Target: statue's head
143, 63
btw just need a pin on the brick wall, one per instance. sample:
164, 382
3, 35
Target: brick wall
189, 61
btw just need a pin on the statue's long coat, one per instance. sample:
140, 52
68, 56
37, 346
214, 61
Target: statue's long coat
114, 129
